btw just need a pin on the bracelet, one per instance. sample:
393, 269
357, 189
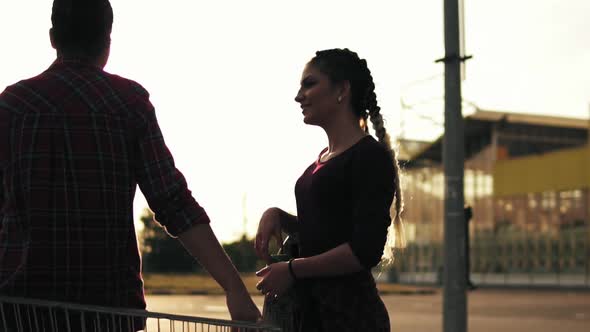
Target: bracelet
291, 272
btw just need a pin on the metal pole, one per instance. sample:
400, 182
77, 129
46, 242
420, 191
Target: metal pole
454, 281
586, 200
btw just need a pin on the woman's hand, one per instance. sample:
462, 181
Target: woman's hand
268, 227
276, 280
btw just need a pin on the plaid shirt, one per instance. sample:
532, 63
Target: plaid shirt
75, 142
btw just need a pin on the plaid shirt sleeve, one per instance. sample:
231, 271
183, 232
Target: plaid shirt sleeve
163, 185
3, 156
11, 245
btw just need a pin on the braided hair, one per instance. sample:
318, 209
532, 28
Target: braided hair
345, 65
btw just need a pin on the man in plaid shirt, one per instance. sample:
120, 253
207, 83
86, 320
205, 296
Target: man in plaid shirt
75, 142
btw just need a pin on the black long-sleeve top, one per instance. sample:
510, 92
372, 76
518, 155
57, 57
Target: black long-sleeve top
347, 199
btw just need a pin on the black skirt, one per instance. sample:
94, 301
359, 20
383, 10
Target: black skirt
346, 303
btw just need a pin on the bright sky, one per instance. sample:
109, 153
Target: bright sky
223, 74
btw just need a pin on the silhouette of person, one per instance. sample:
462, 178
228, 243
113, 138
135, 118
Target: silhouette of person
343, 204
75, 141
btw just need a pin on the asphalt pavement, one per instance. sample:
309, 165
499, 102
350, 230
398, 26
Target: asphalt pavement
489, 310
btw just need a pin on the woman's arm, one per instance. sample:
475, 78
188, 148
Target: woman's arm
272, 223
288, 221
337, 261
276, 278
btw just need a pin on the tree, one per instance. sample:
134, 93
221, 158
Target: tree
243, 255
162, 253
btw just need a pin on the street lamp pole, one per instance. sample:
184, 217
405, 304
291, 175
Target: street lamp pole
454, 281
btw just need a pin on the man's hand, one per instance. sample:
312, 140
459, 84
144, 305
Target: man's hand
201, 242
241, 307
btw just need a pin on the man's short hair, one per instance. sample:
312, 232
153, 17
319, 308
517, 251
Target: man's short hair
82, 27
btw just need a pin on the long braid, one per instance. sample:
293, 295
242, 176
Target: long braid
396, 238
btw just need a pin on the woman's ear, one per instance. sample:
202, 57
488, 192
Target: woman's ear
343, 91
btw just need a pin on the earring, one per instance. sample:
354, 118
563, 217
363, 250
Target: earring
339, 99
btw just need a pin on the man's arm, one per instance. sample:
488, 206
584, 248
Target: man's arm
1, 191
202, 244
4, 149
174, 207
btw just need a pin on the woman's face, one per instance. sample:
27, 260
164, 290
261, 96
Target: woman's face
317, 96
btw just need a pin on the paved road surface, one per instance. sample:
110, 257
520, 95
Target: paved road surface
489, 310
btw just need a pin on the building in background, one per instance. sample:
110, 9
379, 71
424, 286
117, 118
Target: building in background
527, 179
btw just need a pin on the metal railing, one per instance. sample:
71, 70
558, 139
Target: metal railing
524, 259
27, 315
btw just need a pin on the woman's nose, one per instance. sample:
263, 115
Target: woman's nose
299, 96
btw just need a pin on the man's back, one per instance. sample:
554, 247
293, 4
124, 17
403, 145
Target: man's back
74, 143
67, 220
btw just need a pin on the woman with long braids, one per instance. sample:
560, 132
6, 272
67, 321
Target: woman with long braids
344, 198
